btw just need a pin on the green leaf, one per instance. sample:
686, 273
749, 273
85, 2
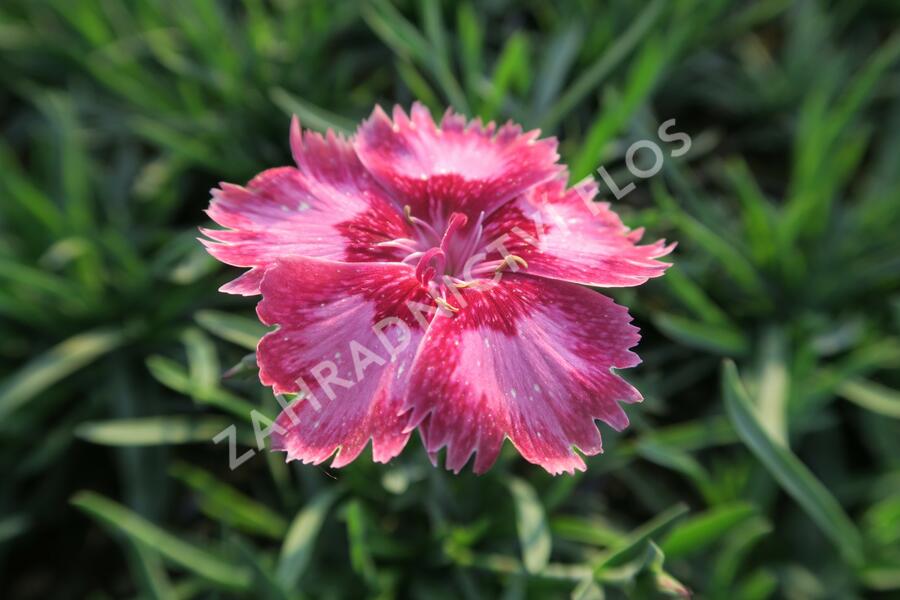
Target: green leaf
153, 431
203, 361
715, 245
882, 579
172, 375
791, 474
695, 298
531, 523
149, 572
56, 364
407, 41
301, 537
702, 530
117, 518
225, 504
360, 552
594, 75
642, 78
673, 458
310, 116
721, 339
872, 396
418, 85
512, 66
471, 40
236, 329
756, 212
774, 384
636, 542
731, 554
591, 531
556, 60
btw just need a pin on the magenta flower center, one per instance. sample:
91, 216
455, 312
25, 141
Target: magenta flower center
449, 251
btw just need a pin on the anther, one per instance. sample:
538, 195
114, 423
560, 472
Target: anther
510, 258
445, 305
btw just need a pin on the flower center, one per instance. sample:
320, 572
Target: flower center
450, 252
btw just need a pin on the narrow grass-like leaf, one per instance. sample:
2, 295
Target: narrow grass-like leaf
730, 258
203, 361
695, 298
54, 365
701, 531
675, 459
301, 538
173, 375
419, 87
153, 431
116, 517
531, 523
774, 385
225, 504
149, 572
471, 41
555, 63
236, 329
360, 551
406, 40
731, 554
637, 540
592, 77
641, 79
720, 339
309, 115
511, 70
882, 579
756, 212
791, 474
872, 396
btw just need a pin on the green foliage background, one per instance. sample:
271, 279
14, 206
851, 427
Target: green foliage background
765, 461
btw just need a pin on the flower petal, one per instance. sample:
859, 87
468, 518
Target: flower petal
328, 207
564, 235
459, 166
528, 359
347, 338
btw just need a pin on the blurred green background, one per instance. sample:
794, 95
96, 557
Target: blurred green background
765, 461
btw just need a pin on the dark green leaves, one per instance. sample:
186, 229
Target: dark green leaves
787, 469
187, 556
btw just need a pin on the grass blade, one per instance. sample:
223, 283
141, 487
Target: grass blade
224, 504
872, 396
701, 531
789, 471
56, 364
636, 542
116, 517
605, 65
152, 431
531, 524
298, 543
720, 339
310, 116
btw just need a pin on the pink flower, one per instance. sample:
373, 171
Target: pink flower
431, 277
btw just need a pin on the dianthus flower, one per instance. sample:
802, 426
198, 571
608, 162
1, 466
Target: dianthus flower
434, 277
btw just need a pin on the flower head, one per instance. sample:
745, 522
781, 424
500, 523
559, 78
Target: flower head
432, 276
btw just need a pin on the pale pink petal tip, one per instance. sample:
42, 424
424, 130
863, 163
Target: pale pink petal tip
326, 310
469, 167
529, 360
